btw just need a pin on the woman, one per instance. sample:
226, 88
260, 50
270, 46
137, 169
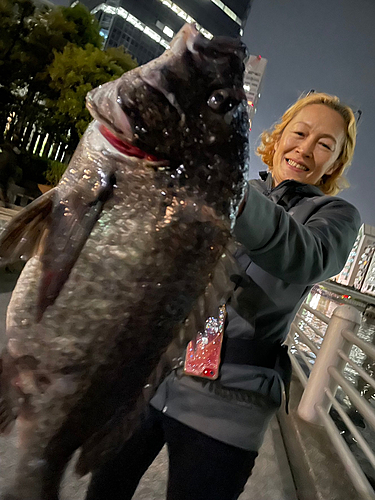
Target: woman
293, 235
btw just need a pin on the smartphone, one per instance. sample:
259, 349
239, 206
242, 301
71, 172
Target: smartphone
202, 357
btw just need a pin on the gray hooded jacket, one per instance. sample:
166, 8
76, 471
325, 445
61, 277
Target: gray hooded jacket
291, 237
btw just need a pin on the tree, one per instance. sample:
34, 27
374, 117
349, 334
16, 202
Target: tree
14, 29
72, 74
49, 59
29, 39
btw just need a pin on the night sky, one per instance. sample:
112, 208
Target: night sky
329, 46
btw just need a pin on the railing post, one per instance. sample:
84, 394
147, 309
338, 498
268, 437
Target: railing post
343, 318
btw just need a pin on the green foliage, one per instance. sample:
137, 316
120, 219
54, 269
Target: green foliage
14, 16
76, 71
33, 167
86, 26
49, 59
29, 39
54, 172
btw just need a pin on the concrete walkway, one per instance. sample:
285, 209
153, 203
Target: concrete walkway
271, 479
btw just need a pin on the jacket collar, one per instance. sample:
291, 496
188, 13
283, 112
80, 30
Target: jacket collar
287, 193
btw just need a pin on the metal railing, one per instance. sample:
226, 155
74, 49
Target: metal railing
319, 349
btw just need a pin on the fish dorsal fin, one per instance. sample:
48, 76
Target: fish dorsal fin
20, 239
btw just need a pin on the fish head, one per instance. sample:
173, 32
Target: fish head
186, 108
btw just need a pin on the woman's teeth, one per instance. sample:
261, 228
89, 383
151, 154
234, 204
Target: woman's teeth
297, 165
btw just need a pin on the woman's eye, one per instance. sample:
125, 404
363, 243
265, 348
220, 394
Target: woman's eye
301, 134
326, 146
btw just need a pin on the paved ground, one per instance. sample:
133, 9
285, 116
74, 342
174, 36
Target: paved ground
271, 479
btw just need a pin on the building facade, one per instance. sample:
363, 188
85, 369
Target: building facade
360, 264
145, 27
253, 78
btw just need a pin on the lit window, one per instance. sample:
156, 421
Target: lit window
119, 11
168, 31
168, 3
204, 32
229, 12
135, 22
164, 44
152, 34
181, 13
122, 12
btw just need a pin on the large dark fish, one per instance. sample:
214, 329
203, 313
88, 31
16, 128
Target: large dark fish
119, 252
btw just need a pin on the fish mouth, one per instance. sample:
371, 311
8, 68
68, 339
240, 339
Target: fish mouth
124, 147
121, 126
185, 38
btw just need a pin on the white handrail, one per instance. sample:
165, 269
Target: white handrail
326, 376
307, 323
316, 313
300, 373
343, 318
352, 428
303, 356
366, 377
364, 346
352, 467
359, 402
306, 340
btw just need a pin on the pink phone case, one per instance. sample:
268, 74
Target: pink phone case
203, 353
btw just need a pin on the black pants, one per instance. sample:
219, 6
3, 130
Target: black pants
200, 467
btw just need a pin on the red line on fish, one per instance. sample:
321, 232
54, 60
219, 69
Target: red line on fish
125, 147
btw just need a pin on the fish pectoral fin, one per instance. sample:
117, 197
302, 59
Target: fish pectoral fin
20, 239
218, 291
71, 222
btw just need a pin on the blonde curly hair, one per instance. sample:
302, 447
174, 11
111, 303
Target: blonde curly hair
329, 184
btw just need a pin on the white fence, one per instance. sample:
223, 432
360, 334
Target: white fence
320, 349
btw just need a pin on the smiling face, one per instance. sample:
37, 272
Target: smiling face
309, 146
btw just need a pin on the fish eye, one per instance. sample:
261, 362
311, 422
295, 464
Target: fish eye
221, 101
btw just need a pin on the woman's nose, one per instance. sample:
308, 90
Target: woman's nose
306, 147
